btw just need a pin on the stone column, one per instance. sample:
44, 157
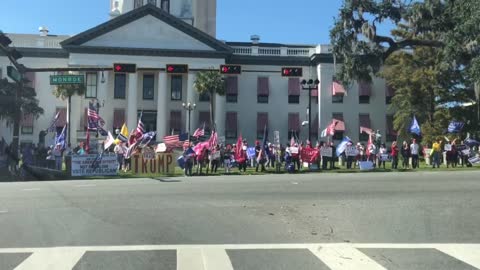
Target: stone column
162, 112
132, 101
192, 98
220, 114
106, 112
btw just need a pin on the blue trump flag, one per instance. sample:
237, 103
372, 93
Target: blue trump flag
342, 146
455, 127
60, 138
415, 127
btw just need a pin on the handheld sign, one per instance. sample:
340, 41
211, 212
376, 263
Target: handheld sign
294, 150
351, 151
448, 147
326, 151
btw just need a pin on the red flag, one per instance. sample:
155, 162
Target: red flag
213, 139
369, 144
238, 150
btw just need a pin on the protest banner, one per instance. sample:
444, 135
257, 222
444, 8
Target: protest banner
294, 150
351, 151
475, 161
384, 157
94, 165
448, 147
326, 151
366, 165
251, 152
163, 163
309, 155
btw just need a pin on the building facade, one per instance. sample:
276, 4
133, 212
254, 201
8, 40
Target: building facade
154, 34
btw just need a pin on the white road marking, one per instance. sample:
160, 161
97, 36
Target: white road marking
345, 258
337, 256
52, 259
216, 259
465, 254
190, 259
31, 189
3, 211
86, 185
294, 183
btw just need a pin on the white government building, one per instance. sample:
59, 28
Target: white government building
155, 33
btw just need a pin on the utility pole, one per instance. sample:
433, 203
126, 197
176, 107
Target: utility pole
311, 85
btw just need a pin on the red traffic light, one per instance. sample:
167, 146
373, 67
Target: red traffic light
292, 72
125, 68
177, 69
230, 69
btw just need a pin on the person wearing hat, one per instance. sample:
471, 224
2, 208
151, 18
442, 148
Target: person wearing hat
120, 150
414, 150
382, 151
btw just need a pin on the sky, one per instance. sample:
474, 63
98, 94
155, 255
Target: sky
282, 21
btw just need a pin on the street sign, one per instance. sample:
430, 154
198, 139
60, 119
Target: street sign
66, 79
14, 74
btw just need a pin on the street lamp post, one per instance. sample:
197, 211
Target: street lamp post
189, 107
310, 85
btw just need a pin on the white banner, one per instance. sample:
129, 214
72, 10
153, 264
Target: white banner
326, 151
351, 151
294, 150
93, 165
475, 161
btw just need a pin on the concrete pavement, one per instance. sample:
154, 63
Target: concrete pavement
338, 209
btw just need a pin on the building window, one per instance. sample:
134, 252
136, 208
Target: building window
388, 100
292, 133
337, 99
138, 3
231, 125
154, 2
364, 99
293, 99
92, 81
119, 89
175, 122
262, 99
176, 87
148, 86
232, 98
166, 5
204, 97
363, 137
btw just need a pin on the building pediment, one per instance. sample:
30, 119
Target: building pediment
146, 28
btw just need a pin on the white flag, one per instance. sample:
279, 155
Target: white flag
109, 141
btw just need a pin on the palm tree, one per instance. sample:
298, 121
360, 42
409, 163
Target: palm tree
66, 91
210, 82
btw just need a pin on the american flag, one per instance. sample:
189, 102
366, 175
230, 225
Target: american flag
175, 141
213, 139
53, 126
94, 120
331, 128
137, 134
199, 132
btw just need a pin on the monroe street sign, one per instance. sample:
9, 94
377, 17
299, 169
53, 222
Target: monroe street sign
66, 79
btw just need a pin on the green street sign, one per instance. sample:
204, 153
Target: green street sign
66, 79
14, 74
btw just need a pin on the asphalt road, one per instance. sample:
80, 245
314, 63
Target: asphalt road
310, 221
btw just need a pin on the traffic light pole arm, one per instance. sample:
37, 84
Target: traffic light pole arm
18, 66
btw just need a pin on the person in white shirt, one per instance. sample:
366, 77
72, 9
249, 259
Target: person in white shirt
381, 155
414, 150
120, 150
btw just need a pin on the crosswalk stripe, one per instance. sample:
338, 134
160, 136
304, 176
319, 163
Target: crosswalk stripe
465, 254
190, 259
216, 259
345, 258
52, 259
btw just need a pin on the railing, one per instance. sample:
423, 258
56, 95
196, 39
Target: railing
274, 51
35, 41
269, 51
242, 50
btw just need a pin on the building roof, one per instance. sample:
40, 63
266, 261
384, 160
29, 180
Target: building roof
138, 13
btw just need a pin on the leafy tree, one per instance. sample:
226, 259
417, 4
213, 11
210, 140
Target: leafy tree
210, 82
66, 91
431, 56
27, 101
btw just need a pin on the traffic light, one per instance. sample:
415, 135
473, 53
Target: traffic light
125, 68
292, 72
177, 69
230, 69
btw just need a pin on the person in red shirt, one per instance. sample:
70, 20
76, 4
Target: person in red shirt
394, 154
